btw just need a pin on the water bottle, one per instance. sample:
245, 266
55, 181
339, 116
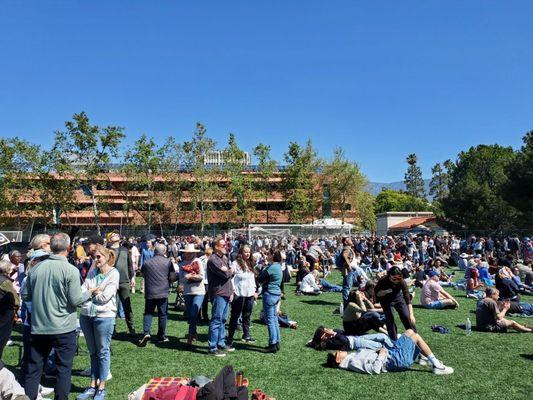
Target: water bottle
341, 308
468, 327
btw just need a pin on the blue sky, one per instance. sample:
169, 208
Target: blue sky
381, 79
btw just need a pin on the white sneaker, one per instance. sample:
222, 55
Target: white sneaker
443, 371
10, 343
109, 376
423, 360
45, 391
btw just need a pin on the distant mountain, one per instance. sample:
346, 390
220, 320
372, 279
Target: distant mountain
376, 187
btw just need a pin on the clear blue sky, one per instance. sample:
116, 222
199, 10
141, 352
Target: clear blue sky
382, 79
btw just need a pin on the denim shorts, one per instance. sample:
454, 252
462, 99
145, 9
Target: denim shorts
435, 305
402, 354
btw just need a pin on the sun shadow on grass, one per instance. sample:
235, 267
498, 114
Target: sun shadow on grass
320, 302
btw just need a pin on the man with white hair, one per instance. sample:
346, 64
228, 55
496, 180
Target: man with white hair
54, 289
158, 274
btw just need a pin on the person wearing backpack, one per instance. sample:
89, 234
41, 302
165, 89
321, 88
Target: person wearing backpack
9, 302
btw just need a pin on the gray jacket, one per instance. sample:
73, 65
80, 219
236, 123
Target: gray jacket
365, 361
158, 274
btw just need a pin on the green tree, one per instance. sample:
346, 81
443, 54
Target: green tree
414, 184
267, 167
239, 186
86, 153
300, 182
393, 200
204, 189
345, 182
519, 190
477, 181
144, 169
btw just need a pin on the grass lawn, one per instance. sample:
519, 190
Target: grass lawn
487, 366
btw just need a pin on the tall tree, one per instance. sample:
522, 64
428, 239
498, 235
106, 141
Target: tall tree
519, 190
143, 168
477, 181
266, 169
239, 186
300, 182
345, 182
204, 188
87, 152
414, 183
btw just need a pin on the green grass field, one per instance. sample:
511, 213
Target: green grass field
487, 366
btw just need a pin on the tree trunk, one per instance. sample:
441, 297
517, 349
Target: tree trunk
95, 212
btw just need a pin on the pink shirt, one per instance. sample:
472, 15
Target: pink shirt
430, 292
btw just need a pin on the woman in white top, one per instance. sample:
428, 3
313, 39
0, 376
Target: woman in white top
97, 319
244, 295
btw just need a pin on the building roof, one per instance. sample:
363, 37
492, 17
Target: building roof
413, 222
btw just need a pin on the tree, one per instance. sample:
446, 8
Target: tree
239, 186
300, 181
345, 182
85, 153
266, 168
477, 181
414, 183
204, 186
519, 190
393, 200
143, 168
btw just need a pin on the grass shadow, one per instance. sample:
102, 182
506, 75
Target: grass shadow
527, 356
320, 302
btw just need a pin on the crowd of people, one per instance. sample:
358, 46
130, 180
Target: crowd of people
65, 288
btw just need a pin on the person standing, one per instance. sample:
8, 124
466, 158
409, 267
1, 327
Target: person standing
220, 290
271, 278
244, 294
158, 273
205, 304
392, 292
127, 278
191, 276
346, 262
97, 320
54, 289
9, 302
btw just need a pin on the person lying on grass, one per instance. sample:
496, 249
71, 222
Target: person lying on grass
433, 296
336, 339
490, 317
312, 285
399, 357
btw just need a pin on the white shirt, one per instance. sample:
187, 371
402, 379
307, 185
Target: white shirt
308, 284
243, 282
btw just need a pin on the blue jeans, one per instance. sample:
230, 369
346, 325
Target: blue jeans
98, 332
193, 304
372, 342
217, 325
329, 287
347, 284
162, 312
270, 303
527, 308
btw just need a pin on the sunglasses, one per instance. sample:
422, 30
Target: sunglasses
98, 256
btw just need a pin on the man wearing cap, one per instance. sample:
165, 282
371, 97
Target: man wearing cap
127, 277
433, 296
158, 273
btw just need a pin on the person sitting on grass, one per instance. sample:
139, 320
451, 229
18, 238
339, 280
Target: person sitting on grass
489, 318
396, 358
522, 287
335, 339
360, 316
433, 296
309, 285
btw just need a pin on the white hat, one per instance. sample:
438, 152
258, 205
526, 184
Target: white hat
189, 248
464, 255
